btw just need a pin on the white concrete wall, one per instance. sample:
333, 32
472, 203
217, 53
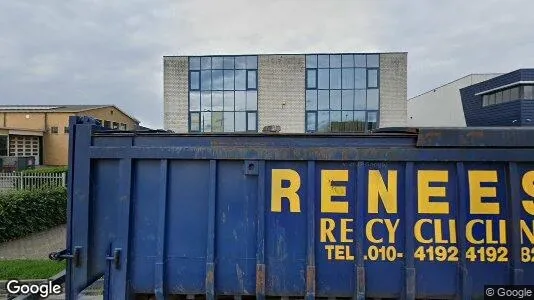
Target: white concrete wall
175, 94
442, 107
393, 89
281, 92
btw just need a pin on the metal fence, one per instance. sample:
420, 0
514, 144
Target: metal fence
21, 181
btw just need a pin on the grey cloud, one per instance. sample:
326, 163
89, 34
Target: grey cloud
111, 52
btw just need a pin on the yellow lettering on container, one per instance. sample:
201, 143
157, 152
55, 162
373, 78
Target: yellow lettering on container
425, 191
392, 228
418, 232
527, 231
377, 188
327, 226
328, 190
345, 230
469, 232
369, 231
528, 186
477, 192
290, 193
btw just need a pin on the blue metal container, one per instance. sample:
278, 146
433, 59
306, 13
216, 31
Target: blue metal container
434, 214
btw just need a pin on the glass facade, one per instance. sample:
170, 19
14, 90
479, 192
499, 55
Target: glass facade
342, 92
223, 93
520, 92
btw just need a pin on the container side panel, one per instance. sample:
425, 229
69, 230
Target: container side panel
235, 229
103, 212
335, 249
487, 214
286, 233
436, 253
145, 224
384, 236
526, 222
187, 226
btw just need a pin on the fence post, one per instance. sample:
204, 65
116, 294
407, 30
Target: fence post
21, 181
64, 179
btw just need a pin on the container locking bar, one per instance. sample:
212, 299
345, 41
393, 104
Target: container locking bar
64, 254
115, 258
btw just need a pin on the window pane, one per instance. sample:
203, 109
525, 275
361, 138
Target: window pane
217, 63
528, 92
194, 63
205, 63
251, 121
240, 80
335, 100
322, 99
228, 122
346, 116
372, 61
195, 80
194, 101
347, 102
514, 94
311, 61
372, 99
310, 121
240, 100
359, 121
240, 121
217, 122
228, 80
360, 99
347, 77
323, 121
240, 62
335, 78
485, 99
217, 80
228, 101
506, 96
217, 101
311, 79
205, 101
498, 98
252, 100
372, 81
228, 62
359, 61
251, 77
360, 78
311, 99
347, 60
206, 122
205, 80
335, 61
371, 120
195, 121
323, 77
491, 99
323, 61
335, 121
252, 62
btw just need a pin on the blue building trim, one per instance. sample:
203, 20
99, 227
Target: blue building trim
516, 112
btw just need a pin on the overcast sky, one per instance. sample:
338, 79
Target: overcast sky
110, 52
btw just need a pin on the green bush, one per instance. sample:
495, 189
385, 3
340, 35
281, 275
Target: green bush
46, 170
29, 211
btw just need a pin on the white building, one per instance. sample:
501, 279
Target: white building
442, 106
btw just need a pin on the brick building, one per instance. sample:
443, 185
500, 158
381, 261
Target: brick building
341, 92
41, 131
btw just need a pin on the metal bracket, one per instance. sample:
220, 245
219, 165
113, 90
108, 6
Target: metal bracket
115, 257
251, 167
64, 254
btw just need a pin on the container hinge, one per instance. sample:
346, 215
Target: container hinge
115, 258
65, 254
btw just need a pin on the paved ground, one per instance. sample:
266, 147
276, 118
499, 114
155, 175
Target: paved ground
36, 246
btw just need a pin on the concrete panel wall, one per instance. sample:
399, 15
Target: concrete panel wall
442, 107
393, 89
281, 92
175, 94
